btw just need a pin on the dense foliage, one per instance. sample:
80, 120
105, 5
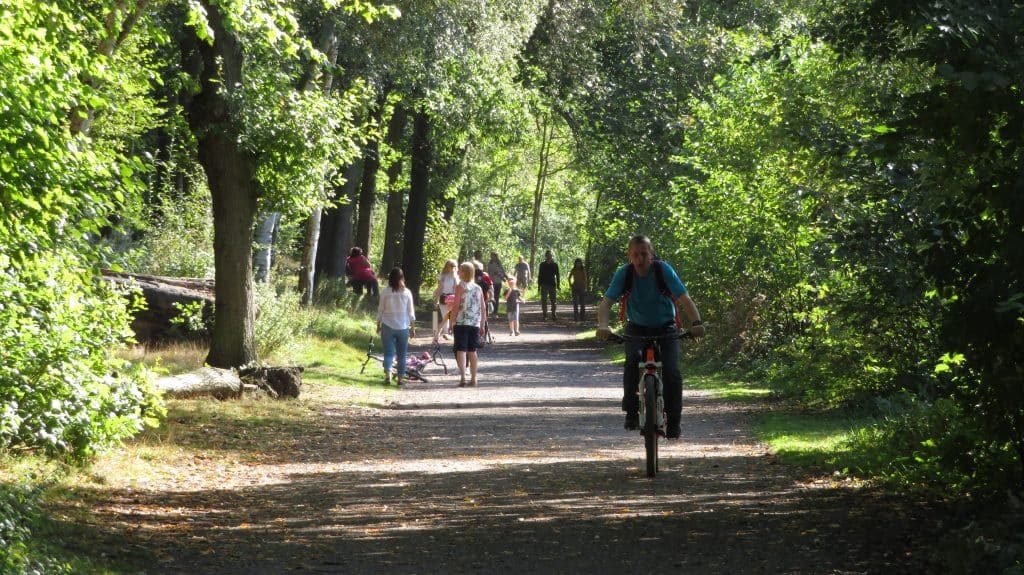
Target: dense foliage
61, 389
838, 182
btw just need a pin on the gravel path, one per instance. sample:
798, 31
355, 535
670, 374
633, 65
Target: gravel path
529, 473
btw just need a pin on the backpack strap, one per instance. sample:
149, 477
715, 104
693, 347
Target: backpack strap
627, 286
659, 278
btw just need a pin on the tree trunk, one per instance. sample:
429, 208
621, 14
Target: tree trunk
538, 191
265, 234
419, 198
204, 382
392, 249
336, 241
307, 271
232, 178
328, 229
368, 189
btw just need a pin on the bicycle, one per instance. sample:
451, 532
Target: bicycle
415, 364
650, 390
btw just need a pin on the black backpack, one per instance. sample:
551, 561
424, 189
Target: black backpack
659, 278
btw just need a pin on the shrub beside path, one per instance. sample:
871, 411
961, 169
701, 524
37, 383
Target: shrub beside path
529, 473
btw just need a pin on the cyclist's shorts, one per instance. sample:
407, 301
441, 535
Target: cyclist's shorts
466, 337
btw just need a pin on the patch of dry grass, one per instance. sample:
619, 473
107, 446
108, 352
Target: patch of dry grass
170, 359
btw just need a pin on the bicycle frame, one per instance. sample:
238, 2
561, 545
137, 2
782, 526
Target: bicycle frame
650, 368
651, 391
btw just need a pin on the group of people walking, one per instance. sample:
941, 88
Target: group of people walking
466, 295
466, 298
653, 299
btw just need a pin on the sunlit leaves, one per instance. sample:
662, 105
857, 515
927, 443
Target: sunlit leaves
58, 386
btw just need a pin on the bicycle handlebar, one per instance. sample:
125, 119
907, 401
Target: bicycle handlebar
623, 337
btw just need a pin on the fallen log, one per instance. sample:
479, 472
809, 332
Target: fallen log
163, 296
204, 382
275, 382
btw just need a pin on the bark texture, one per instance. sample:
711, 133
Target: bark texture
231, 174
419, 198
392, 249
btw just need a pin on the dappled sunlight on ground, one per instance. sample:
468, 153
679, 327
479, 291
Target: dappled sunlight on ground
529, 473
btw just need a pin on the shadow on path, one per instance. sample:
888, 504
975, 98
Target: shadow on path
530, 473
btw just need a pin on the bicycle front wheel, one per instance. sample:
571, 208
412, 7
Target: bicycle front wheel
650, 425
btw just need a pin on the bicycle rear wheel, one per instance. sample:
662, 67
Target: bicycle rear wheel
650, 425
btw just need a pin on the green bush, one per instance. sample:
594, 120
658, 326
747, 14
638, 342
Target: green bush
61, 389
179, 242
18, 511
935, 446
280, 320
31, 543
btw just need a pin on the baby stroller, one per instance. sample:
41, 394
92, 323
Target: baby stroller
415, 363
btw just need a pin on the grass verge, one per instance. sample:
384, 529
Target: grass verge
818, 441
47, 508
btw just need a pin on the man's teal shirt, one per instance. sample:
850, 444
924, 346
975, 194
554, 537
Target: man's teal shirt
647, 306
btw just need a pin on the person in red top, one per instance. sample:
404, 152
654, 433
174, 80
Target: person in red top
360, 273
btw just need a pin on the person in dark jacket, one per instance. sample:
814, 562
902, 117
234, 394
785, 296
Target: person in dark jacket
548, 278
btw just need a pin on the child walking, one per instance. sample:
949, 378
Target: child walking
513, 299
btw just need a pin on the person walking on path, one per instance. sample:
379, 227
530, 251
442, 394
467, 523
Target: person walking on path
469, 322
395, 322
522, 270
578, 286
655, 299
498, 275
443, 297
548, 278
513, 299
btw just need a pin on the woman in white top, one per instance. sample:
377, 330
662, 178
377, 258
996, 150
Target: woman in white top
444, 296
469, 321
395, 321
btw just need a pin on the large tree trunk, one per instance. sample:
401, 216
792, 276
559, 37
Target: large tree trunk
419, 198
367, 196
232, 178
368, 189
336, 236
392, 249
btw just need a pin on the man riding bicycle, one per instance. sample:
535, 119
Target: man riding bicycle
654, 301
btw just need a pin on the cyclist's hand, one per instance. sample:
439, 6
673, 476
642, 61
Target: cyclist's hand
603, 333
697, 330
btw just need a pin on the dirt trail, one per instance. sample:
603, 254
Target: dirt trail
529, 473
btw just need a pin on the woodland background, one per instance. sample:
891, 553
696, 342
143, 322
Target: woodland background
840, 184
